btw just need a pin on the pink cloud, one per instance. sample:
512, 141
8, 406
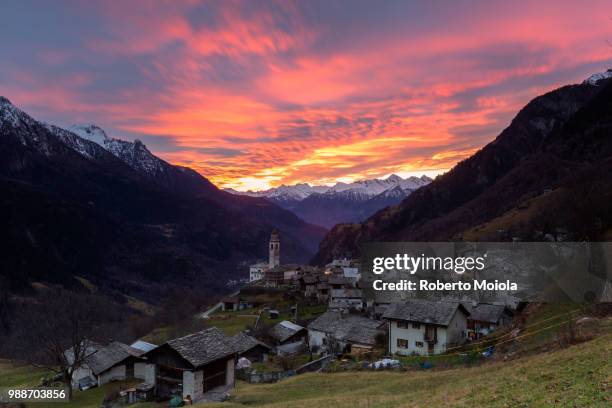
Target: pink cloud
296, 98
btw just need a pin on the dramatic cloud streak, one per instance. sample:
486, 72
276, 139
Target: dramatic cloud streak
255, 94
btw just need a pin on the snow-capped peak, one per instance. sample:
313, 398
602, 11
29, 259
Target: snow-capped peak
88, 140
4, 101
595, 78
295, 192
91, 132
8, 113
135, 154
11, 115
394, 178
363, 188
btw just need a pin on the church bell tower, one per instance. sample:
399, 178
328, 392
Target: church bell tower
274, 249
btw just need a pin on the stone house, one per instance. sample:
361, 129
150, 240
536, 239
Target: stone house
486, 318
425, 327
344, 332
235, 303
346, 299
322, 291
192, 365
257, 271
308, 285
114, 362
339, 282
250, 348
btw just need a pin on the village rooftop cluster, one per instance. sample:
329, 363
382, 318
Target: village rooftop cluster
204, 366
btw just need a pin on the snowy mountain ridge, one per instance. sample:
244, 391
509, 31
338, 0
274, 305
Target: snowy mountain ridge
595, 78
87, 140
342, 202
135, 154
365, 188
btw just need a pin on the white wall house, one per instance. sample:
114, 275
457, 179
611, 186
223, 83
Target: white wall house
425, 327
257, 271
114, 362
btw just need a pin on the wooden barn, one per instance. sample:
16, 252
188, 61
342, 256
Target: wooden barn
193, 365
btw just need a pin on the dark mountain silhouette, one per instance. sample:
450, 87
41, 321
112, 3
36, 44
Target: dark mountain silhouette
328, 209
124, 219
547, 176
342, 202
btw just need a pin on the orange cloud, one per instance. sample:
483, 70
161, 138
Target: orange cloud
257, 94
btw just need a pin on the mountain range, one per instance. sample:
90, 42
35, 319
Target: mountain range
342, 202
77, 203
546, 177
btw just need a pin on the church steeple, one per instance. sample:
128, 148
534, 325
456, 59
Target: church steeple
274, 249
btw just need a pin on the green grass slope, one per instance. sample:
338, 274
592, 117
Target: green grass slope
577, 376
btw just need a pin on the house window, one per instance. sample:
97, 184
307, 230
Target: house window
418, 343
402, 343
402, 325
416, 325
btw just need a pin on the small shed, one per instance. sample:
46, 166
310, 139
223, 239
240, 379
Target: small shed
249, 347
287, 332
116, 361
485, 318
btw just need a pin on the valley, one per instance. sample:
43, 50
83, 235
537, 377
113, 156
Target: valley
342, 202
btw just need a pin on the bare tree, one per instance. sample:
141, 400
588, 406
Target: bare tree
54, 331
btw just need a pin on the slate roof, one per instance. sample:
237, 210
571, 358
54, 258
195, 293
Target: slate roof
424, 311
203, 347
291, 348
380, 309
363, 335
339, 280
346, 293
309, 279
484, 312
337, 304
231, 299
284, 330
352, 328
286, 267
111, 355
242, 342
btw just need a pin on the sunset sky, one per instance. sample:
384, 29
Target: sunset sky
257, 94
